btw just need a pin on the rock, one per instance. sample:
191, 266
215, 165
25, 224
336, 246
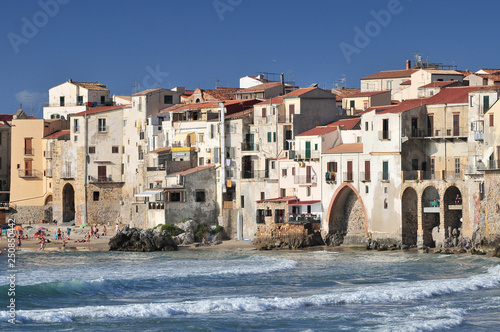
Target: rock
314, 239
496, 253
141, 240
189, 226
184, 239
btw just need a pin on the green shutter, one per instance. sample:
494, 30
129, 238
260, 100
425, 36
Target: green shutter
268, 136
274, 137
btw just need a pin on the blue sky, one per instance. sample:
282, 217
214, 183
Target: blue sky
193, 43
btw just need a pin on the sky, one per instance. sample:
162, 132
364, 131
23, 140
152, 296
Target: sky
204, 43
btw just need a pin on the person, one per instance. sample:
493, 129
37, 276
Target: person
458, 200
42, 244
117, 228
96, 232
104, 231
59, 235
87, 237
69, 231
92, 231
19, 242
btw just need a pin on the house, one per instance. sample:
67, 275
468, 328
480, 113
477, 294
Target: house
356, 103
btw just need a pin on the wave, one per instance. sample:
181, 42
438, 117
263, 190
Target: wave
380, 293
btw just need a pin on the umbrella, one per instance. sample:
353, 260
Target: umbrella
41, 229
19, 228
5, 231
5, 227
83, 225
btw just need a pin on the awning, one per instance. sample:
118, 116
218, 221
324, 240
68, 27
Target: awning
487, 154
182, 137
149, 193
303, 202
102, 161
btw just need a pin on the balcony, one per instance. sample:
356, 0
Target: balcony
383, 176
156, 205
182, 144
29, 151
303, 218
410, 175
305, 180
365, 176
330, 177
4, 205
384, 135
28, 173
305, 155
48, 172
254, 174
449, 132
348, 177
103, 179
478, 136
156, 168
250, 147
489, 165
47, 154
67, 174
453, 175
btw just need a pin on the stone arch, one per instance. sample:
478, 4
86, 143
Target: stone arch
347, 216
430, 214
68, 195
409, 213
452, 214
48, 212
48, 200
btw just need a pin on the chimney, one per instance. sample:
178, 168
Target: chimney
408, 64
282, 78
70, 80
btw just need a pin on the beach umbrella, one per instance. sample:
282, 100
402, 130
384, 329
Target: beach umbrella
19, 228
41, 229
5, 227
83, 225
5, 231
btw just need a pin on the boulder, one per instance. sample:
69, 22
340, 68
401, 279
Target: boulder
189, 226
184, 238
133, 239
496, 253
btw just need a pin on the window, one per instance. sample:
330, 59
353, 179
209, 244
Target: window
352, 104
114, 149
95, 195
283, 172
0, 138
269, 136
486, 103
389, 85
331, 166
457, 167
61, 101
274, 136
28, 146
0, 162
316, 147
308, 191
385, 171
125, 122
102, 125
242, 201
168, 99
79, 100
101, 174
103, 100
291, 111
386, 204
367, 170
293, 171
366, 126
471, 101
76, 127
262, 195
175, 196
385, 129
492, 120
76, 138
367, 189
140, 153
199, 195
264, 112
283, 192
273, 164
91, 149
414, 164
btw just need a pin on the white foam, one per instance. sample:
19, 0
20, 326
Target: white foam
381, 293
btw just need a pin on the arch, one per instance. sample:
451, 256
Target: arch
347, 215
430, 214
48, 200
452, 215
68, 195
409, 214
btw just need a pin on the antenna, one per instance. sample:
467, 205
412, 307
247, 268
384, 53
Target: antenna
137, 87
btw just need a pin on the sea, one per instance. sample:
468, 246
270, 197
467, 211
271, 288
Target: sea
208, 290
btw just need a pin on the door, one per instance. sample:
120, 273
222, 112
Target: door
308, 150
28, 167
456, 124
367, 170
414, 127
349, 170
430, 125
385, 129
308, 174
101, 173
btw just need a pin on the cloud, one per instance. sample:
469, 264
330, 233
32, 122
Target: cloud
32, 100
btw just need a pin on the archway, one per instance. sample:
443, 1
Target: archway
430, 214
68, 203
47, 213
452, 215
409, 214
347, 218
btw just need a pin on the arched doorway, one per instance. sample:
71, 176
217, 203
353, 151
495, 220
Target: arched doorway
68, 203
452, 215
430, 214
47, 213
347, 218
409, 214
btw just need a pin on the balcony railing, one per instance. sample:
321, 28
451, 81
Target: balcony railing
67, 174
250, 147
384, 135
29, 151
181, 144
304, 179
156, 205
365, 176
449, 132
255, 174
304, 218
384, 176
303, 155
157, 168
478, 136
48, 154
489, 165
348, 176
453, 175
103, 179
410, 175
28, 173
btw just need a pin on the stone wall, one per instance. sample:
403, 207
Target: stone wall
27, 214
409, 223
492, 205
107, 208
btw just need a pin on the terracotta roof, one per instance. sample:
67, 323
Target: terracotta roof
318, 131
404, 106
260, 87
346, 124
6, 117
239, 114
347, 148
368, 94
58, 134
99, 109
460, 94
145, 92
192, 170
489, 70
344, 92
278, 199
165, 149
221, 93
408, 82
299, 92
391, 74
437, 84
442, 71
272, 101
211, 104
91, 85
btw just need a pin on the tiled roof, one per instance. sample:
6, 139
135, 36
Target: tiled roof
367, 94
346, 124
221, 93
260, 87
239, 114
347, 148
408, 82
453, 95
99, 109
58, 134
192, 170
272, 101
91, 85
391, 74
489, 70
278, 199
145, 92
165, 149
211, 104
404, 106
6, 117
318, 131
437, 84
442, 71
344, 92
299, 92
